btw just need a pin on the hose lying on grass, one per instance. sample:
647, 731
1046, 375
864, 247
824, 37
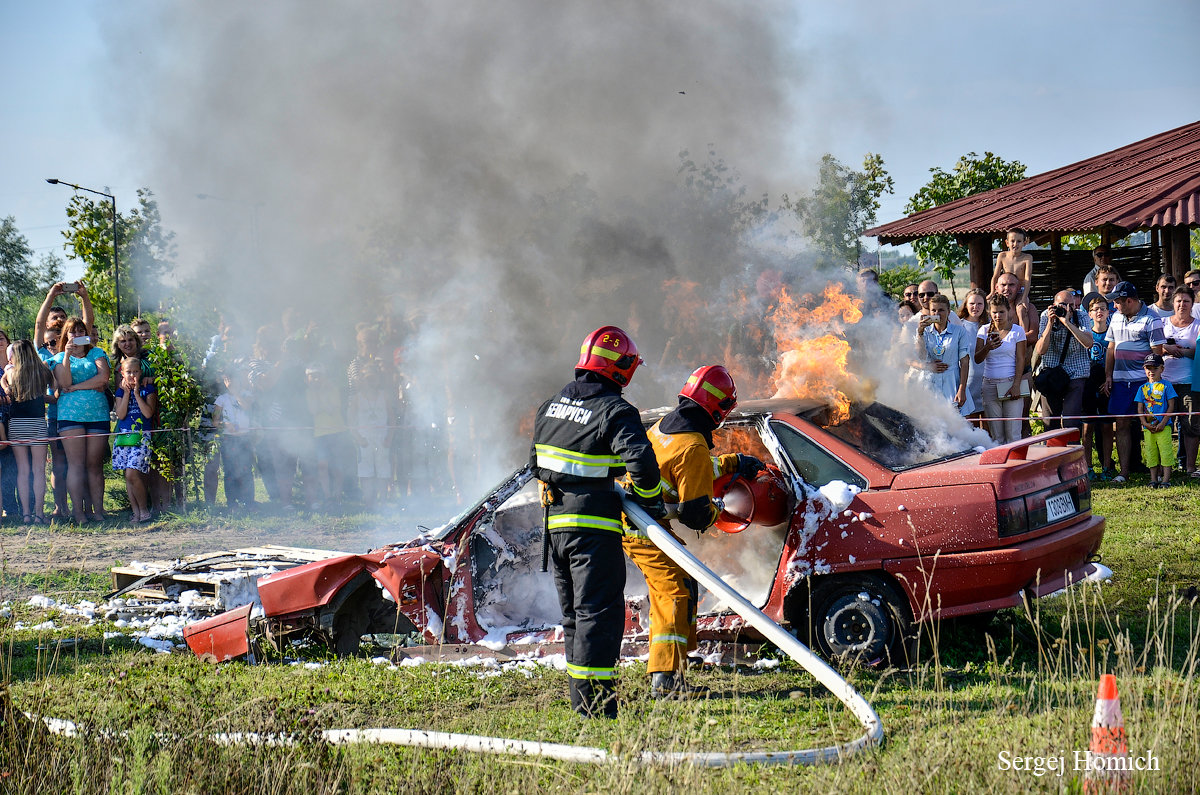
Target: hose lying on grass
575, 753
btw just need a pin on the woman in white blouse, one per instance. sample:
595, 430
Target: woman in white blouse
1000, 348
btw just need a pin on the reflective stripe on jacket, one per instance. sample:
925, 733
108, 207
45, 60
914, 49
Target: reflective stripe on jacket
688, 470
583, 438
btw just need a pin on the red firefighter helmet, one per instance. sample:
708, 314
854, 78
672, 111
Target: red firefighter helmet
713, 388
610, 352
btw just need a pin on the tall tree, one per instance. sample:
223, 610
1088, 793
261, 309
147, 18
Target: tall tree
842, 205
146, 251
971, 174
49, 271
18, 279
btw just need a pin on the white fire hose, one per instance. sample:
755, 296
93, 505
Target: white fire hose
781, 638
576, 753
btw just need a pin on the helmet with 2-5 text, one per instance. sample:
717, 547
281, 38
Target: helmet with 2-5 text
610, 352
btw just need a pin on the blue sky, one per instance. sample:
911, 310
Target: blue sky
920, 83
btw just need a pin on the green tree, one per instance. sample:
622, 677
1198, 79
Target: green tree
146, 251
179, 450
719, 188
842, 205
19, 281
971, 174
49, 271
894, 279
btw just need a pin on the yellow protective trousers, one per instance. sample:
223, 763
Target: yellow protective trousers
673, 600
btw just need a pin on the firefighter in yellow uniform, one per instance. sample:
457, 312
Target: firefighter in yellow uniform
682, 441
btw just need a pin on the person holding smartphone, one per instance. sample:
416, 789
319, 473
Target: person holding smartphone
48, 330
944, 354
81, 372
1000, 347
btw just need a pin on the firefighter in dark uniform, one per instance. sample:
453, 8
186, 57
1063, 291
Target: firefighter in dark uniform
583, 438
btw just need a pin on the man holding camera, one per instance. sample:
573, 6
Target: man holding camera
1063, 343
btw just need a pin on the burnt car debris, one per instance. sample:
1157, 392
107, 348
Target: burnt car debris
855, 532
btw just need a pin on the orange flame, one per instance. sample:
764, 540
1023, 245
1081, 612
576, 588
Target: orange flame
812, 361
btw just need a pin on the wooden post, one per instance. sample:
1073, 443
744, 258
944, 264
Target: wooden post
979, 253
1168, 244
1181, 252
1056, 264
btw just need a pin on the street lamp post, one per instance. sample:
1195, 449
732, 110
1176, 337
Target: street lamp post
116, 242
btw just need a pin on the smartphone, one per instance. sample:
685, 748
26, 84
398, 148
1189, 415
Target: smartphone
71, 287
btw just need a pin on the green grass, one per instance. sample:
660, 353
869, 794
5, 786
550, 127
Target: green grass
1027, 687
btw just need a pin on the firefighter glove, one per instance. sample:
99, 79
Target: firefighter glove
653, 506
748, 466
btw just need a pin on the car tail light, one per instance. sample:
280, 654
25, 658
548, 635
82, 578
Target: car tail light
1011, 517
1083, 492
1031, 512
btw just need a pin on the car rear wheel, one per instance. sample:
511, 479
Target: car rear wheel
358, 610
861, 619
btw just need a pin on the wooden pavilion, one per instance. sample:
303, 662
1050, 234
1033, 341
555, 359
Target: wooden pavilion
1152, 185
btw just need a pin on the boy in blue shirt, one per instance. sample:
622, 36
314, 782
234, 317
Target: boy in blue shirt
1156, 402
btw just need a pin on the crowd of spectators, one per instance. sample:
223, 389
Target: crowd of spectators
288, 406
1103, 359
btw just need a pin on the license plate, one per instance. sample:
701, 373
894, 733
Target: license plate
1059, 506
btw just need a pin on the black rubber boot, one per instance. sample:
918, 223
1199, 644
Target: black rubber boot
594, 698
667, 685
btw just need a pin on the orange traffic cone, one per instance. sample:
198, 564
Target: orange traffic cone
1108, 755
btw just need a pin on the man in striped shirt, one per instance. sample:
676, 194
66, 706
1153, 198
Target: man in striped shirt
1133, 333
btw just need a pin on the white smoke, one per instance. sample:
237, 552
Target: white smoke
497, 178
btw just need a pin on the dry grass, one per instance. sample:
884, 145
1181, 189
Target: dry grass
1025, 688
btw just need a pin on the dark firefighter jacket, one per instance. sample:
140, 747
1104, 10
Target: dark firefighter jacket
583, 438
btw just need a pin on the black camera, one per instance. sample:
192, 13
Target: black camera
1060, 311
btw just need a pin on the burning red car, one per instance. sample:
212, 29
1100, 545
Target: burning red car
860, 528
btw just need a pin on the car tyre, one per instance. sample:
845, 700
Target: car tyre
359, 609
861, 619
